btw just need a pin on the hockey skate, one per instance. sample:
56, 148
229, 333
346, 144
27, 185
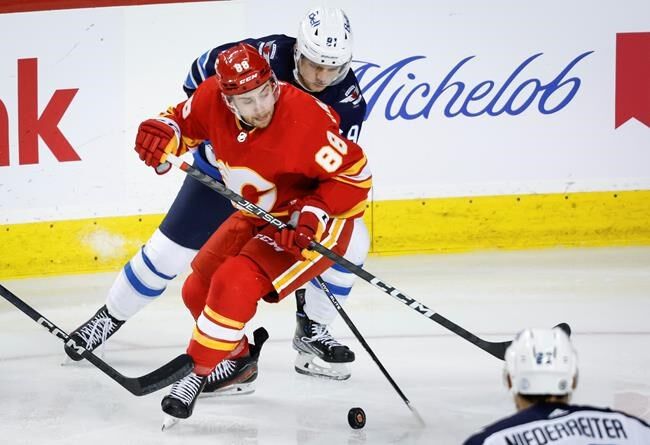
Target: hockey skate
319, 354
94, 332
179, 403
236, 376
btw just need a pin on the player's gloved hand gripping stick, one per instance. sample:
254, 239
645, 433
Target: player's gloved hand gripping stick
497, 349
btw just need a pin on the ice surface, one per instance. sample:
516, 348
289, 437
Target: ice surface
603, 293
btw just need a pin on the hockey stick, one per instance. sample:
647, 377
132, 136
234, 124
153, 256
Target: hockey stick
497, 349
366, 346
138, 386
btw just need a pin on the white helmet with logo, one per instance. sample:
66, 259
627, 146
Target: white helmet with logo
325, 37
542, 362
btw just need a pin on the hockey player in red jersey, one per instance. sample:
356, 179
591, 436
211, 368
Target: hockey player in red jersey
279, 148
317, 61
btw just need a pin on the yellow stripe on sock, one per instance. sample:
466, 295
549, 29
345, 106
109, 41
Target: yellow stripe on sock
223, 320
212, 344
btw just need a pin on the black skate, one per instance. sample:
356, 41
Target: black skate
94, 332
179, 403
236, 377
319, 354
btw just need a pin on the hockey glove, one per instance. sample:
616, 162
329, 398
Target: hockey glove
310, 225
156, 138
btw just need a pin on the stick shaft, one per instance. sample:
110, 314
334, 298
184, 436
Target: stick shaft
367, 347
497, 349
138, 386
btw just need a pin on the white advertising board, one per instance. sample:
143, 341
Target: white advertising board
123, 65
465, 97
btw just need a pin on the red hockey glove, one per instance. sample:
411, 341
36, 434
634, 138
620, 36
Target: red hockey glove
156, 138
310, 225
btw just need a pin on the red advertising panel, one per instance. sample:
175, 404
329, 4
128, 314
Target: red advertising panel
632, 77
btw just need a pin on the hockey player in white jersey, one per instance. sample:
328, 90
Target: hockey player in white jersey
541, 370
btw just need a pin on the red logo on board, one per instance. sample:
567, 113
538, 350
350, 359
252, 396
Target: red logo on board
632, 78
31, 125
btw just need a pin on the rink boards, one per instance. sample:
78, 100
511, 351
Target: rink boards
397, 227
471, 146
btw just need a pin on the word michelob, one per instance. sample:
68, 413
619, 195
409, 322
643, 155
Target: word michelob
513, 97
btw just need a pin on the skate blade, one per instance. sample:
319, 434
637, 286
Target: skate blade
239, 389
312, 365
169, 422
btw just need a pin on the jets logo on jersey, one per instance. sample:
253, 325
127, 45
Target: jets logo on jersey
352, 95
268, 50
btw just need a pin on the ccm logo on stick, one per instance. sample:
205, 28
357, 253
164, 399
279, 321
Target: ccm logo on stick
56, 331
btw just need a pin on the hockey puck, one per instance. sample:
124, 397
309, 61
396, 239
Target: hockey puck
356, 418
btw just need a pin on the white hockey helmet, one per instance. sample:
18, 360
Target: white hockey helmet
325, 37
541, 362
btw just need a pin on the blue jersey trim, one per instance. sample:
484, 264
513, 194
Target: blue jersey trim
202, 164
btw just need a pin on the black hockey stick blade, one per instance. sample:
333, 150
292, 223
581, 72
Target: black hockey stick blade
260, 336
565, 327
138, 386
164, 376
499, 349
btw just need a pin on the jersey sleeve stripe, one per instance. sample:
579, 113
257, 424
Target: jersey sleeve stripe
361, 184
188, 142
190, 84
192, 77
354, 211
299, 267
356, 168
201, 64
365, 173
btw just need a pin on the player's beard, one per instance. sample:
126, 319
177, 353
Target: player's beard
262, 120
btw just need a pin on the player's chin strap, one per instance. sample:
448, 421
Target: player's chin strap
497, 349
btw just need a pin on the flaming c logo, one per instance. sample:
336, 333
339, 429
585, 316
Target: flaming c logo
632, 78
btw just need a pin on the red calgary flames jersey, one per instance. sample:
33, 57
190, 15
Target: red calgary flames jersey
300, 153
